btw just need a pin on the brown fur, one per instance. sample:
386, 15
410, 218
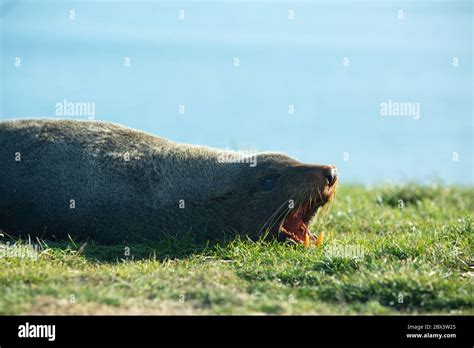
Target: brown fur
116, 199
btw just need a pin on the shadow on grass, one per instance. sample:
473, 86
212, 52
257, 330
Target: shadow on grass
141, 251
167, 248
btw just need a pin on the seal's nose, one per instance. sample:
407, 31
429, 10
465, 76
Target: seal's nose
331, 175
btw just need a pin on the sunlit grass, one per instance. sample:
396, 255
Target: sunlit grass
388, 250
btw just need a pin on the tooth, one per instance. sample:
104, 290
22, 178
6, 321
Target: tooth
320, 238
306, 240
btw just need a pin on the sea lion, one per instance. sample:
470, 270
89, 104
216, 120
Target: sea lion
104, 182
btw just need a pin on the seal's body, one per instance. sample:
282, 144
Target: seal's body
101, 181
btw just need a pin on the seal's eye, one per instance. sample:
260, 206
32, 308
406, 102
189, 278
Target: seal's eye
269, 182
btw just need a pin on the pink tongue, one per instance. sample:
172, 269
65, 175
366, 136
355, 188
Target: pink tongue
296, 229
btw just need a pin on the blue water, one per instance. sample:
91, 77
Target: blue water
283, 62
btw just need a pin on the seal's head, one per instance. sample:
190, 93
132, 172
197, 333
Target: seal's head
285, 195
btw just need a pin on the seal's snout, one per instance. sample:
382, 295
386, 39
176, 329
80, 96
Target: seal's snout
323, 182
330, 174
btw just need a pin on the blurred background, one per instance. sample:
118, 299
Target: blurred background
305, 78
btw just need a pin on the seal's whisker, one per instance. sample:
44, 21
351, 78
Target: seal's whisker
271, 218
324, 211
280, 218
297, 202
275, 212
316, 222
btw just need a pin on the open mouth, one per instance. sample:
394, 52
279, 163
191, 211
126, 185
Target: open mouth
295, 224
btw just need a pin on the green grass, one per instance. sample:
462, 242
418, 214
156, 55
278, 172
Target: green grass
380, 256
